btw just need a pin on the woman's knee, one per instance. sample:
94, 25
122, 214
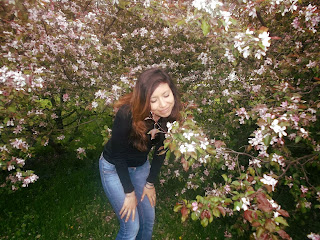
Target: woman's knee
129, 230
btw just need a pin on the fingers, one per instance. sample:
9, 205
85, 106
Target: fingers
133, 214
152, 200
123, 212
143, 195
128, 216
127, 213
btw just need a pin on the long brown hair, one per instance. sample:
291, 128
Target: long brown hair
139, 102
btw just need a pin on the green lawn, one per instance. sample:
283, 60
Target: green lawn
68, 202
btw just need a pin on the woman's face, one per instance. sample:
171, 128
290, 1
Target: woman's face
162, 101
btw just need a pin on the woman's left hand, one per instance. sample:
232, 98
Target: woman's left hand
151, 194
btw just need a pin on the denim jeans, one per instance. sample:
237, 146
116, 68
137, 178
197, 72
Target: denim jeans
142, 226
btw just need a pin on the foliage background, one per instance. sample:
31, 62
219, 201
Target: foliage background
249, 76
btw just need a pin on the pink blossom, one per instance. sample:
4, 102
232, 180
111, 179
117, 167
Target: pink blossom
303, 189
284, 104
10, 123
65, 97
18, 129
313, 236
81, 150
279, 159
19, 144
61, 137
296, 24
227, 188
194, 206
54, 116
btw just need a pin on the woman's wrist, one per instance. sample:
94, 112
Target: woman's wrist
130, 194
149, 185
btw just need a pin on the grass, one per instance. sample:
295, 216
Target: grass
68, 202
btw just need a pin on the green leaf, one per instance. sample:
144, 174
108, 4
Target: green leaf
199, 198
236, 204
249, 193
177, 153
243, 176
298, 138
259, 231
225, 177
236, 197
183, 21
177, 207
194, 216
252, 171
281, 220
216, 212
267, 140
214, 199
45, 103
235, 183
205, 27
204, 222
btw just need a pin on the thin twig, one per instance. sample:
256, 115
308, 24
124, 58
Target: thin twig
293, 162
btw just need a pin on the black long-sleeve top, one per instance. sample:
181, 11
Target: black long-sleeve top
120, 151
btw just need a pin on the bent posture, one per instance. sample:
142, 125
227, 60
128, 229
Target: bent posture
139, 126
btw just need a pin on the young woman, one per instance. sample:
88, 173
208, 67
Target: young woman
126, 175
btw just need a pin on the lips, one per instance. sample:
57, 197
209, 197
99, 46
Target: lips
166, 111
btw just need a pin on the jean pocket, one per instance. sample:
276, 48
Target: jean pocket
107, 167
108, 171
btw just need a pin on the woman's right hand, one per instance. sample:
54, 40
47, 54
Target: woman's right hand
129, 206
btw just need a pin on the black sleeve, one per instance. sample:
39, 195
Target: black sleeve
157, 161
119, 146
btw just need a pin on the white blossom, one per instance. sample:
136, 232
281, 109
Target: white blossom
268, 180
278, 129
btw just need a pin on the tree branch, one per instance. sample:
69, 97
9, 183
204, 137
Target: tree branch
296, 161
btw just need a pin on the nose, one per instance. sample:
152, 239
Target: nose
162, 103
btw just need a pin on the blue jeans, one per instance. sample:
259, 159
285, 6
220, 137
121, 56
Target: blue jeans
142, 226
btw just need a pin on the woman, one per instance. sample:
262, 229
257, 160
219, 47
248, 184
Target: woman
126, 175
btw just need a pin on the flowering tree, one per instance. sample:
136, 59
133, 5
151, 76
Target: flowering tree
269, 81
248, 71
53, 59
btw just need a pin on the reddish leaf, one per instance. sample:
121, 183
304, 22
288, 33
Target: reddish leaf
184, 211
250, 178
265, 207
205, 214
250, 215
222, 210
283, 234
219, 143
185, 164
160, 148
255, 224
265, 236
263, 203
283, 213
153, 133
268, 187
276, 38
